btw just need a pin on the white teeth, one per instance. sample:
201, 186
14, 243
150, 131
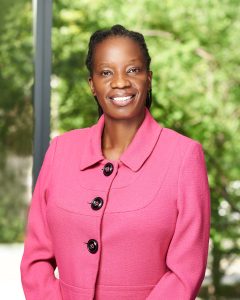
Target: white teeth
122, 98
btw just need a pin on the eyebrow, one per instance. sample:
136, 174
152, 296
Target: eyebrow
109, 63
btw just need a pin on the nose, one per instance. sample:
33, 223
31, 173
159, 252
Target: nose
120, 81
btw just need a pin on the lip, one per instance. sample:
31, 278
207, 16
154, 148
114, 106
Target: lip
121, 95
121, 103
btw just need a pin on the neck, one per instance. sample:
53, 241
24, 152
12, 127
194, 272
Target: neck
118, 134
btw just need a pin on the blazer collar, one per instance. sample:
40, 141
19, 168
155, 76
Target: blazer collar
137, 151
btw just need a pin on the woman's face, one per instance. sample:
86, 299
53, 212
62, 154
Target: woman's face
120, 79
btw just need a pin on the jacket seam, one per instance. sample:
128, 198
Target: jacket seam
154, 197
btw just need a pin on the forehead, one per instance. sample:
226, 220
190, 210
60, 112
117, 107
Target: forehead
116, 50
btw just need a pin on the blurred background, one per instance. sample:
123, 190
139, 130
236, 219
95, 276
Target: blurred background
194, 47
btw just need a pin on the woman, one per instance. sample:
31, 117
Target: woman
123, 207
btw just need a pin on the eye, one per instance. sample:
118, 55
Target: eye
106, 73
134, 70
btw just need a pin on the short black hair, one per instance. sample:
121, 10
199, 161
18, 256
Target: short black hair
117, 31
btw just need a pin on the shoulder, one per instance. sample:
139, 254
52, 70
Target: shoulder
181, 138
182, 143
70, 142
73, 136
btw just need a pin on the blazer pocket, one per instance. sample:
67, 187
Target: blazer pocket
128, 292
70, 292
108, 292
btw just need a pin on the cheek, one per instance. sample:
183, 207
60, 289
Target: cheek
143, 85
101, 86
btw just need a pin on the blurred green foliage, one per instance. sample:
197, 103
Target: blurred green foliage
16, 120
194, 47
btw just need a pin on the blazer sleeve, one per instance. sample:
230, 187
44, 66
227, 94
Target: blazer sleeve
38, 262
187, 253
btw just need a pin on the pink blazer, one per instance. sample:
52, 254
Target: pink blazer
129, 229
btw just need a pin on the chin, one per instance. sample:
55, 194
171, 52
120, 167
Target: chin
125, 112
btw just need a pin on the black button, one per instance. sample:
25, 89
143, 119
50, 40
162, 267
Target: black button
92, 246
97, 203
108, 169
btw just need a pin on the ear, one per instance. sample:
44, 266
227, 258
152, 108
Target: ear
149, 79
90, 82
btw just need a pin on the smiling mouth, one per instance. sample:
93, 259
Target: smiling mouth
122, 99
